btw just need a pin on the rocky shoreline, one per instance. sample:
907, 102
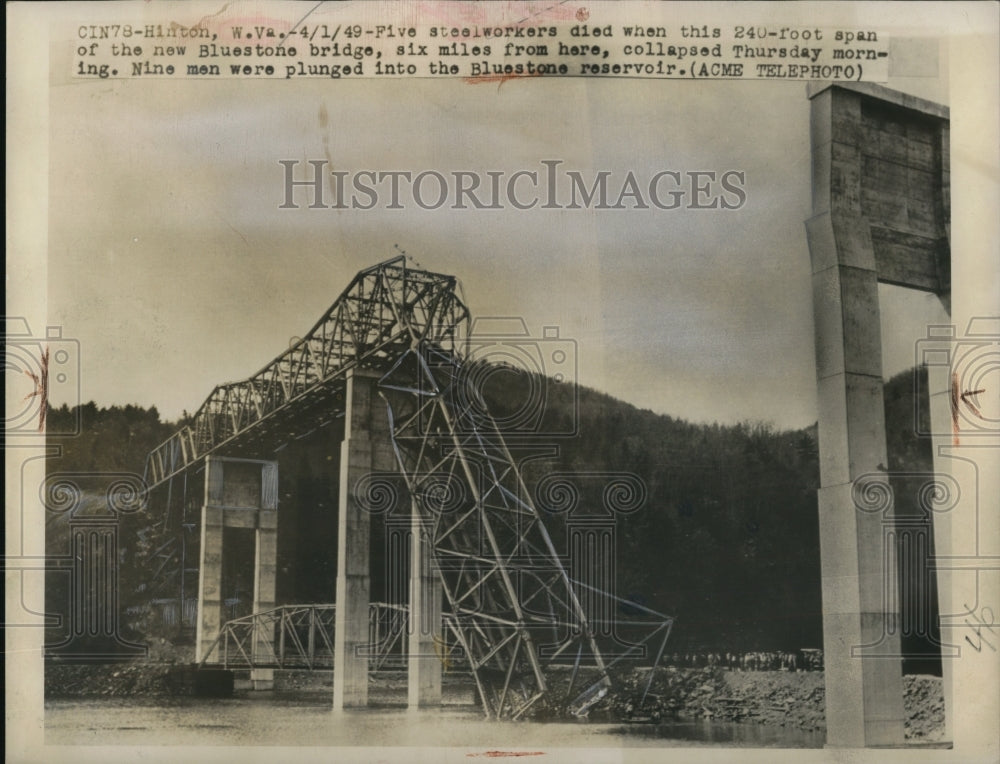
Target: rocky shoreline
775, 698
778, 698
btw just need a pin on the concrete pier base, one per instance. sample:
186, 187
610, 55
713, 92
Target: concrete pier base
265, 558
880, 214
939, 403
426, 658
209, 618
239, 493
366, 449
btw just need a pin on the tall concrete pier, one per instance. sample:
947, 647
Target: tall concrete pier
425, 661
367, 450
239, 493
881, 213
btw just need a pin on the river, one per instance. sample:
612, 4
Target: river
299, 721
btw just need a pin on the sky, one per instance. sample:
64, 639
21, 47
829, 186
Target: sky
172, 264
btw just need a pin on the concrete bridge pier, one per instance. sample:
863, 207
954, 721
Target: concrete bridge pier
265, 575
361, 453
939, 392
880, 214
426, 658
239, 493
367, 449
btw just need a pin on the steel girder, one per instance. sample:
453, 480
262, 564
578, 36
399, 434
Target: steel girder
301, 637
514, 606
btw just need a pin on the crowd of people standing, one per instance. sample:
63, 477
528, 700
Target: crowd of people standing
755, 660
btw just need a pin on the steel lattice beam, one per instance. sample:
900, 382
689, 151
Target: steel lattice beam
514, 606
301, 637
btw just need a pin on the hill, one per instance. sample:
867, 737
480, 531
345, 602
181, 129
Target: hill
722, 534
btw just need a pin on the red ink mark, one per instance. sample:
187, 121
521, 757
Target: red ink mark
41, 390
582, 14
964, 397
500, 79
954, 408
495, 754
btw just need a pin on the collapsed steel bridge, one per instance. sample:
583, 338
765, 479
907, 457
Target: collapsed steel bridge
513, 609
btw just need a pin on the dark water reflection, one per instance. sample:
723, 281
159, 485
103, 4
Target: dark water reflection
726, 733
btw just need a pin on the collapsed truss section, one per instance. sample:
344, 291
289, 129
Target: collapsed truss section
515, 609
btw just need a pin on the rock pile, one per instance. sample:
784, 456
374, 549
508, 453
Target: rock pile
923, 699
790, 699
111, 681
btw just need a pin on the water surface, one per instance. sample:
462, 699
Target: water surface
276, 720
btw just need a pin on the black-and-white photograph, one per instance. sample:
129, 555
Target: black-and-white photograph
435, 380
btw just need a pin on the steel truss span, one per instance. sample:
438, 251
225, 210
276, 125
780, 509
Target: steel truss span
301, 637
385, 310
511, 607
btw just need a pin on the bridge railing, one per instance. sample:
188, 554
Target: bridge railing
302, 637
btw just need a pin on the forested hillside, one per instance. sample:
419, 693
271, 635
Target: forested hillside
726, 538
112, 439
